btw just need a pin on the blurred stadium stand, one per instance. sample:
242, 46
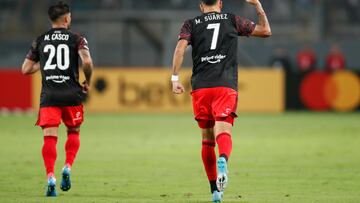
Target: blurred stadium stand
144, 32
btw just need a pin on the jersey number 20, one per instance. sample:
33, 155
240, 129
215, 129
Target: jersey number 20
62, 57
216, 28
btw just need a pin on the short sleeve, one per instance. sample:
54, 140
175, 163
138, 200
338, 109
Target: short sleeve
244, 26
33, 53
82, 43
186, 31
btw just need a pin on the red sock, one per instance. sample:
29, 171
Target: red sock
49, 153
224, 144
72, 147
209, 159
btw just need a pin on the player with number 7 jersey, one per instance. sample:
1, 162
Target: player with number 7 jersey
214, 40
56, 54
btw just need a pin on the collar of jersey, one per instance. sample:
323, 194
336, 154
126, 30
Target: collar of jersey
59, 28
211, 12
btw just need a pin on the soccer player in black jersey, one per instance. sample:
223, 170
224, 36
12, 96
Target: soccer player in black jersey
213, 37
56, 54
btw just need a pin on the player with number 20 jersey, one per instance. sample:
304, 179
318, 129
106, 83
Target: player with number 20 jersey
213, 37
56, 53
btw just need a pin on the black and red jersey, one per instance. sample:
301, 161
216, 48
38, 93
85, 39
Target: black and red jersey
57, 52
213, 37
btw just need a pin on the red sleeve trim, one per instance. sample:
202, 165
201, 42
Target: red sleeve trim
83, 44
185, 32
33, 53
244, 26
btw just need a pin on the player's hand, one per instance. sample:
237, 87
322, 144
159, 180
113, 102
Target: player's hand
177, 87
86, 87
253, 2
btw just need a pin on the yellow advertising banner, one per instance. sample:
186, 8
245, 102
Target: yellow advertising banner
261, 90
149, 90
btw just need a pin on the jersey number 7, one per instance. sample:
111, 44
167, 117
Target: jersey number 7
216, 28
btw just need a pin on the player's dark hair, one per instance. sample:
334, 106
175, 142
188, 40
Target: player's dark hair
58, 10
209, 2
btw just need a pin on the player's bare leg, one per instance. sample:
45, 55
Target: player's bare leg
71, 147
49, 155
223, 130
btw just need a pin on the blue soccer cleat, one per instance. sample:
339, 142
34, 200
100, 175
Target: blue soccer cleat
217, 196
222, 178
65, 182
51, 188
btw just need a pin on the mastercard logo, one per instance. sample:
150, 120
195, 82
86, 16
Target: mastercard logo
339, 91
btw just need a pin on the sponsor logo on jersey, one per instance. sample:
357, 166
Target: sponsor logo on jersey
213, 59
57, 78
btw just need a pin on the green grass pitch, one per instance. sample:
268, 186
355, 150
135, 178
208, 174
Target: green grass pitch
292, 157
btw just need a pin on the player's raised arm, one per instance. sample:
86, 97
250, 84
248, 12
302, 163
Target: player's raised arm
262, 29
178, 59
87, 66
